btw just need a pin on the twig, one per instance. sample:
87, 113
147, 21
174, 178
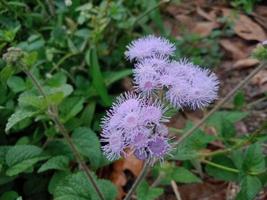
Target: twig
53, 114
221, 102
138, 180
158, 179
175, 189
51, 7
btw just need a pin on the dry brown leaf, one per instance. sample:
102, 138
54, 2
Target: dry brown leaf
244, 27
248, 30
245, 63
118, 176
211, 16
235, 49
204, 28
186, 21
260, 15
261, 10
260, 78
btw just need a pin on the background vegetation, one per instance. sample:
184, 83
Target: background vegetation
76, 52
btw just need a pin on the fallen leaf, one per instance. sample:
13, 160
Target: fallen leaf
204, 28
245, 63
260, 78
248, 30
260, 15
185, 21
210, 16
235, 49
118, 175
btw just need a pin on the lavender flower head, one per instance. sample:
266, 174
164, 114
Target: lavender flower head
148, 72
149, 46
194, 87
134, 123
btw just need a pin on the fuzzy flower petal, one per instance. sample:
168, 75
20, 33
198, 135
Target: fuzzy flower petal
114, 144
149, 46
194, 87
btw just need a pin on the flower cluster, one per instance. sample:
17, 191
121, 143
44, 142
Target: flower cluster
135, 124
136, 121
186, 84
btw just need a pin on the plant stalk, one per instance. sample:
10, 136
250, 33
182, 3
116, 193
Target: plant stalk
138, 180
53, 114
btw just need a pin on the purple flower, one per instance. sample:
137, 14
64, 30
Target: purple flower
141, 154
154, 113
162, 130
158, 147
148, 72
115, 144
194, 87
132, 123
149, 46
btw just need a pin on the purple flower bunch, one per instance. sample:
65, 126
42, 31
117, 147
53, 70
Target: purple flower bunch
184, 84
136, 120
136, 124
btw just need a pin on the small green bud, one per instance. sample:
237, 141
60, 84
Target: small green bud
13, 56
260, 52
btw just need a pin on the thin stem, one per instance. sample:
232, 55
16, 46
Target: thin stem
51, 7
229, 169
221, 102
138, 180
175, 189
53, 114
150, 10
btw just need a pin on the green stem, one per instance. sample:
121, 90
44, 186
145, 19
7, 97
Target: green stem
53, 114
150, 10
220, 166
229, 169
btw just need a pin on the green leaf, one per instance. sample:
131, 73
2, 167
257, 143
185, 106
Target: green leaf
19, 158
97, 77
239, 99
230, 116
57, 162
6, 73
18, 116
3, 151
88, 145
227, 129
77, 187
191, 146
88, 114
254, 159
10, 195
179, 174
112, 77
70, 107
250, 187
145, 192
183, 175
221, 174
16, 84
55, 180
